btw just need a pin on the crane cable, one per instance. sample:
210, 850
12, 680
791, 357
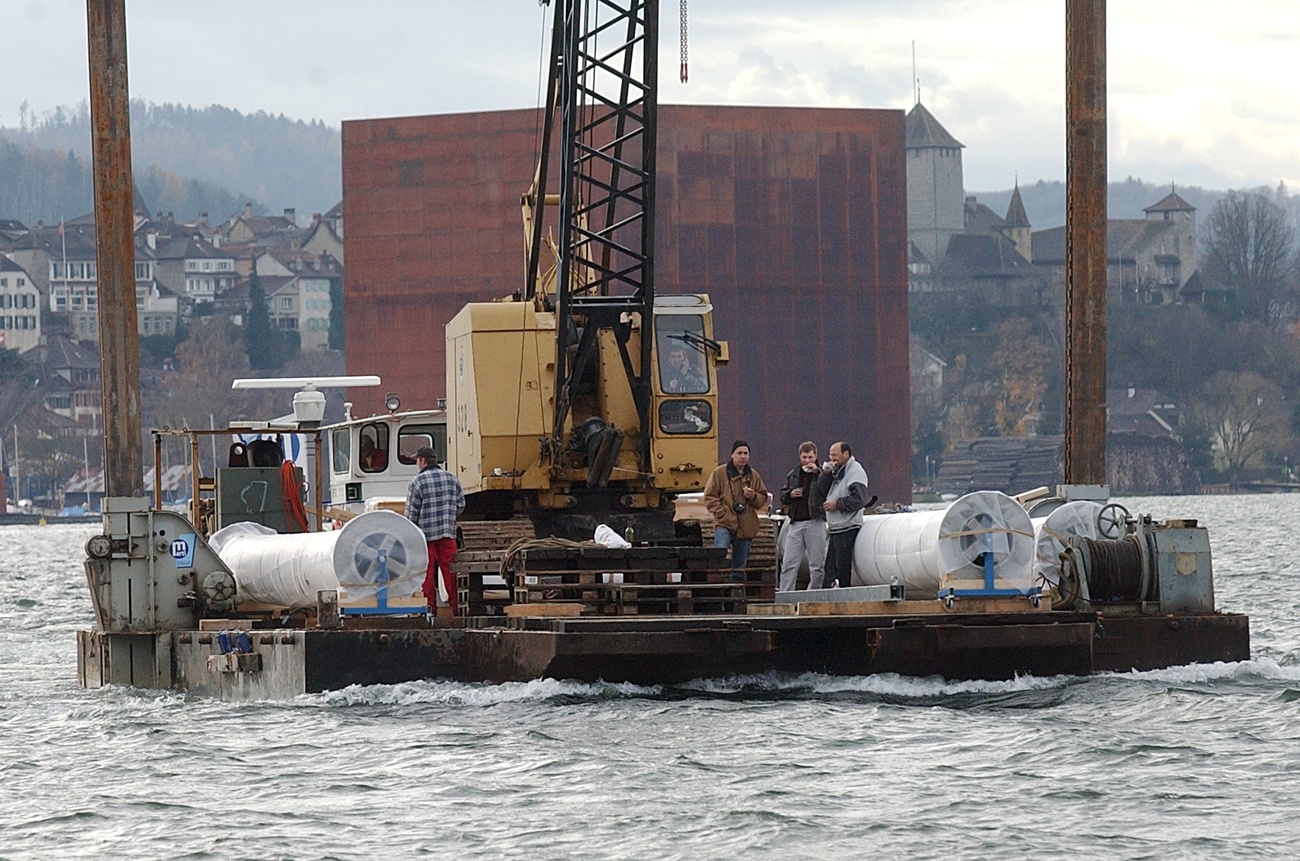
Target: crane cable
683, 41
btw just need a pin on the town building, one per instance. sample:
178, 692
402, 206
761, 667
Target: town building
1150, 260
20, 308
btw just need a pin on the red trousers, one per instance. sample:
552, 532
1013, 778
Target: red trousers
441, 552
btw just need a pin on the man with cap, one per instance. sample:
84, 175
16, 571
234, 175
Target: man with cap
433, 502
734, 494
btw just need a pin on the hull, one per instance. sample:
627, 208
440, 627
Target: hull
665, 650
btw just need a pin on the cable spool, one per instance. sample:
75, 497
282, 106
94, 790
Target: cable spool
1115, 569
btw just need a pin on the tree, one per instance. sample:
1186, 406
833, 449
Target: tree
1242, 412
1019, 367
337, 339
260, 342
206, 364
1250, 249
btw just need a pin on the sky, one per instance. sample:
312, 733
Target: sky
1200, 92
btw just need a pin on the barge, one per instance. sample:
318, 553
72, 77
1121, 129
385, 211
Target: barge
167, 617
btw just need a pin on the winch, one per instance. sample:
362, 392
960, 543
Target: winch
1138, 566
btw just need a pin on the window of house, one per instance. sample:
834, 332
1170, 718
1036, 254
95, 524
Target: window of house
4, 282
22, 282
286, 303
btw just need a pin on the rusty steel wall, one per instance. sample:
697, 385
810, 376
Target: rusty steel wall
793, 220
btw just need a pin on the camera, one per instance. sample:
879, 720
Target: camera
738, 507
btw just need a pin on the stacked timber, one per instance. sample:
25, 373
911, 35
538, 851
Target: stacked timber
1006, 464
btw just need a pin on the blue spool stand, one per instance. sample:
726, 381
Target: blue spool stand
989, 590
381, 607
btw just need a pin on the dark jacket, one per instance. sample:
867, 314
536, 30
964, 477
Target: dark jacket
813, 495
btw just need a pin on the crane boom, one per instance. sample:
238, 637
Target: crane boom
602, 95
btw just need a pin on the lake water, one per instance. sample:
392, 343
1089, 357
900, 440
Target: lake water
1191, 762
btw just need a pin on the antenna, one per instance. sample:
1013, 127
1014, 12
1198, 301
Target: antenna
309, 403
916, 82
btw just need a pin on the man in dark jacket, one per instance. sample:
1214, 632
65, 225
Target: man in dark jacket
804, 535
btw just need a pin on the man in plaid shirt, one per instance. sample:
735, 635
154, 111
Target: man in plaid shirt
433, 502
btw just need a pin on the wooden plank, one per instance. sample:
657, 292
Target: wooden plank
919, 608
770, 609
551, 609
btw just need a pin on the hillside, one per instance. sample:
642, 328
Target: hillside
187, 160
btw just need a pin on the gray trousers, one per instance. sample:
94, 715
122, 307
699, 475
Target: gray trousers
805, 540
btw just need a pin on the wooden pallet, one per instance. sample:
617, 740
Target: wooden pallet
627, 599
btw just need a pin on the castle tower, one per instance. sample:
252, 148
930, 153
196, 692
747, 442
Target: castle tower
1017, 227
1173, 208
935, 194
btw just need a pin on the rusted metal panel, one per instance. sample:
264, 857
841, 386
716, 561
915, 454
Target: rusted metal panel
1085, 242
119, 348
793, 220
1127, 643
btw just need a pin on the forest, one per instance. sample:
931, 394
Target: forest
186, 161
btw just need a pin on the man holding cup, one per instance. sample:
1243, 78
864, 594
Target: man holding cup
804, 535
844, 483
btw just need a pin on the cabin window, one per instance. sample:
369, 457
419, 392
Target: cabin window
340, 450
412, 438
681, 353
685, 417
373, 449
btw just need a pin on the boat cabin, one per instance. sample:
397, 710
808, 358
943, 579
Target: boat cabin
375, 456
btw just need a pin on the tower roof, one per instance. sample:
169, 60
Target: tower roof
1171, 202
1016, 215
925, 132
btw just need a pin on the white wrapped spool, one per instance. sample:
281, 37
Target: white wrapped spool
1053, 531
923, 549
288, 570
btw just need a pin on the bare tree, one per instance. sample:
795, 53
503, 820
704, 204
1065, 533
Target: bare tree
1242, 411
1020, 375
1250, 247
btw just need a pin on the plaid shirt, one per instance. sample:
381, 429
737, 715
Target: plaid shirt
432, 503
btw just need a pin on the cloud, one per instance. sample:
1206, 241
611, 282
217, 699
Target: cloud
1188, 82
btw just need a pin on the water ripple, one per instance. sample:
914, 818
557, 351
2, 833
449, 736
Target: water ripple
1188, 762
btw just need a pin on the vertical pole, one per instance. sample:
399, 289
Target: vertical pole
85, 467
1085, 242
317, 496
119, 364
157, 471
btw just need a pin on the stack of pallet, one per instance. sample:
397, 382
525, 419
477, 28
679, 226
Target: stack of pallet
639, 580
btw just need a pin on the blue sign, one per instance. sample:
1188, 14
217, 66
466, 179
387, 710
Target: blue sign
182, 550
